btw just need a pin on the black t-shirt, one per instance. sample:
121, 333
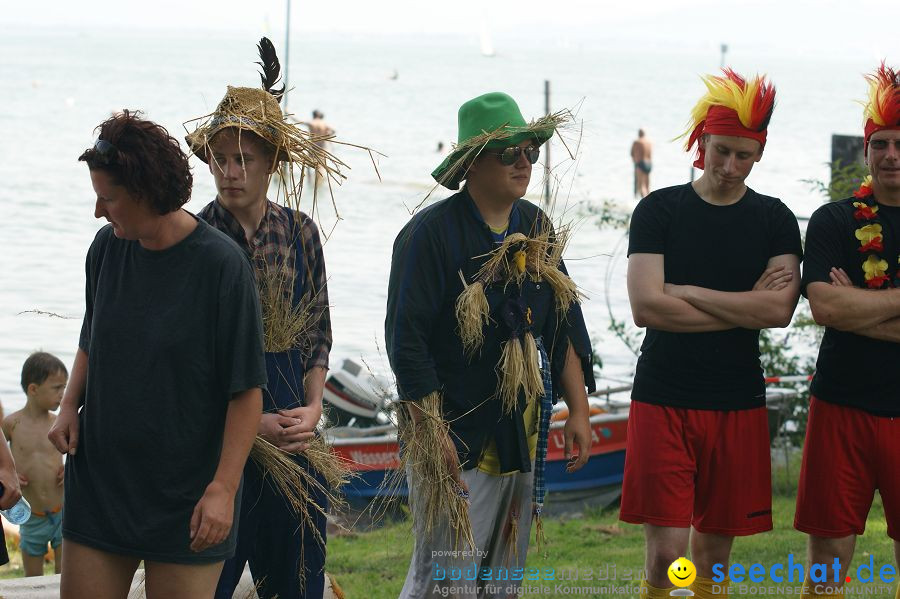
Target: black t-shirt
170, 336
851, 370
725, 248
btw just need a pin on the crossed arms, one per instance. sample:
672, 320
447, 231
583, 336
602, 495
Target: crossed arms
691, 309
866, 312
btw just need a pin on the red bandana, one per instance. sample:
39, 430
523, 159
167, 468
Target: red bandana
732, 106
871, 128
724, 121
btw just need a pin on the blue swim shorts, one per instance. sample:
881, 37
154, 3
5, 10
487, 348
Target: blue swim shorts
38, 531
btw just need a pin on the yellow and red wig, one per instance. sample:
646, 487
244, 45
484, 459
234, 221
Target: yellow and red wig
731, 106
882, 110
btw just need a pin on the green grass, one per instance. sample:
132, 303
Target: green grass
14, 568
373, 564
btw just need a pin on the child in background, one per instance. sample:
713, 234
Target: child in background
39, 464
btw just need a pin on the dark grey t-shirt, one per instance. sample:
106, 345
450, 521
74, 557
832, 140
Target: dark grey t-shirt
170, 336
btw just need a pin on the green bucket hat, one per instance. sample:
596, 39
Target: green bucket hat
490, 121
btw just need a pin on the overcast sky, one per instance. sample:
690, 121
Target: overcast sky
864, 28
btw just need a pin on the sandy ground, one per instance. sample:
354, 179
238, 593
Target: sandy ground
47, 587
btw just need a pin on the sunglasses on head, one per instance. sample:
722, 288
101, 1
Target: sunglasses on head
509, 156
105, 152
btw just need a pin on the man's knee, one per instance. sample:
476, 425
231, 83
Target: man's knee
659, 558
825, 549
708, 550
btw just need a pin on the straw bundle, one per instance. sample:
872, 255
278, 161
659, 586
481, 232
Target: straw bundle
542, 256
335, 469
472, 314
336, 589
518, 257
322, 459
540, 537
519, 368
285, 325
504, 263
513, 535
425, 444
472, 309
547, 249
295, 484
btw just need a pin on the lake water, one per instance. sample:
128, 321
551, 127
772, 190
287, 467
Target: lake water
57, 85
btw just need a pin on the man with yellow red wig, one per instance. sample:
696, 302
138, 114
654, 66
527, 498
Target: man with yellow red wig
851, 274
710, 264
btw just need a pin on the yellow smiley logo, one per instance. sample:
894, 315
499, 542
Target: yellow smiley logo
682, 572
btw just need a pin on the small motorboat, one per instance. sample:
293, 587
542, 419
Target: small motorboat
357, 399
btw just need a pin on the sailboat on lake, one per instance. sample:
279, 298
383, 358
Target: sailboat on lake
487, 46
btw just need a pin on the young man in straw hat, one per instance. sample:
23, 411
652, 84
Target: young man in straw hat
710, 264
243, 143
850, 277
476, 280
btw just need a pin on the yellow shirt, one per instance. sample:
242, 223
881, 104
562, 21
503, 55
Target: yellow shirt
490, 461
499, 230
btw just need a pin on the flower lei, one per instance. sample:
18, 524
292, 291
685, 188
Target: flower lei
870, 235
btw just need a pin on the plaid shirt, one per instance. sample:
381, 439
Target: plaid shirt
272, 246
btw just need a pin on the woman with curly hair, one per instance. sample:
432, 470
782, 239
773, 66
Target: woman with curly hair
165, 395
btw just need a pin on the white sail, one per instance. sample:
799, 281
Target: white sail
487, 47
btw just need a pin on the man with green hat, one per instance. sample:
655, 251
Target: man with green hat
484, 333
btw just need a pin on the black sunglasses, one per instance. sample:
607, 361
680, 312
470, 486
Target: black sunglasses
509, 156
106, 153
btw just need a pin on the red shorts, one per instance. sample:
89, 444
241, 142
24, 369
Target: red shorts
708, 469
847, 455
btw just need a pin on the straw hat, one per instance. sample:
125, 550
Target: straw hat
490, 121
250, 109
257, 110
